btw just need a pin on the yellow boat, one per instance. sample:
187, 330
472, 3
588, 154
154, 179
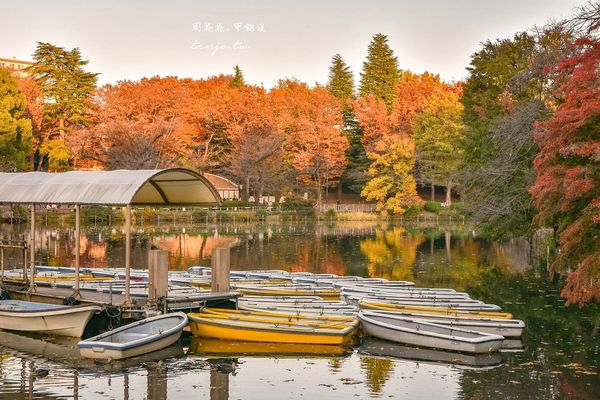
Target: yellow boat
228, 348
290, 316
433, 310
277, 318
326, 294
254, 330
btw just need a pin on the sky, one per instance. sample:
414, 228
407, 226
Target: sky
268, 39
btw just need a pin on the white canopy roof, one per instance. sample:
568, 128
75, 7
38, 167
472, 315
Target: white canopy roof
121, 187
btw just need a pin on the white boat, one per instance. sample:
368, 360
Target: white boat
301, 306
424, 334
28, 316
474, 305
141, 337
510, 328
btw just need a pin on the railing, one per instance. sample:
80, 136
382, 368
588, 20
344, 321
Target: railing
348, 208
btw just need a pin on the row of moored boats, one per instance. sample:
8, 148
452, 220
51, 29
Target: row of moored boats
281, 307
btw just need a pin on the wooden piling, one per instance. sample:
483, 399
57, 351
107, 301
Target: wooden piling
158, 274
220, 263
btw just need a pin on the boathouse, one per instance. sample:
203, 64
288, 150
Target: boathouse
125, 188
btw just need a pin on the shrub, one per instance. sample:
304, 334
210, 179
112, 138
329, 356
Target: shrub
432, 206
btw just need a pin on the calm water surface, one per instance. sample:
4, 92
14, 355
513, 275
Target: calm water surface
558, 357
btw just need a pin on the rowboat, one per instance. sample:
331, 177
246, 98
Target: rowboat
470, 305
325, 293
302, 306
372, 292
383, 348
141, 337
377, 305
28, 316
290, 316
207, 347
424, 334
211, 326
300, 311
512, 328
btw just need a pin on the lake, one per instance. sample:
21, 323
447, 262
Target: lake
558, 357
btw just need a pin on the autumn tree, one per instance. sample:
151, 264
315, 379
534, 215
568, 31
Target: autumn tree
66, 88
391, 182
438, 135
311, 118
380, 73
374, 120
150, 109
257, 160
567, 188
509, 87
15, 128
237, 81
412, 94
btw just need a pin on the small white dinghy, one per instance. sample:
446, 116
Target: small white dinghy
425, 334
141, 337
509, 328
29, 316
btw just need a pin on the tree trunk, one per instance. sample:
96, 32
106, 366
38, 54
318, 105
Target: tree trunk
61, 127
449, 193
247, 188
339, 191
432, 192
448, 239
319, 195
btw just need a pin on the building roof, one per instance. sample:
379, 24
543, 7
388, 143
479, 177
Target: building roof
121, 187
220, 182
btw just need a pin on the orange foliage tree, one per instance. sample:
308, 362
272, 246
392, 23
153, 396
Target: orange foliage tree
567, 189
311, 119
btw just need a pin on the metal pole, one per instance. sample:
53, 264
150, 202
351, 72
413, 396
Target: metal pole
32, 250
127, 254
77, 234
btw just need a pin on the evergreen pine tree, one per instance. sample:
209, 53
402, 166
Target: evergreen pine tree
380, 73
238, 78
341, 81
65, 84
15, 129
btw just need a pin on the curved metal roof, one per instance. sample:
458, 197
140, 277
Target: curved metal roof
173, 186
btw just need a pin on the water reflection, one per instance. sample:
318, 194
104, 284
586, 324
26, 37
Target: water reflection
559, 356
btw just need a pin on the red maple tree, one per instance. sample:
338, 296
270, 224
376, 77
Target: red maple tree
567, 189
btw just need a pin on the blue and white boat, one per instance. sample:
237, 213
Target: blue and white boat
29, 316
141, 337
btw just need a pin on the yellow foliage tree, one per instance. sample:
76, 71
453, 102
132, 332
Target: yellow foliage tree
391, 183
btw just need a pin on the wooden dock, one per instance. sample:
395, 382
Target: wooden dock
53, 295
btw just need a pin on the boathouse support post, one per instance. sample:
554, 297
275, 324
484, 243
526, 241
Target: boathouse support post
158, 275
32, 250
127, 255
77, 245
220, 263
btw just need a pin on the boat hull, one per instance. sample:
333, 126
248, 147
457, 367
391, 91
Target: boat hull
115, 354
424, 334
211, 329
141, 337
65, 321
